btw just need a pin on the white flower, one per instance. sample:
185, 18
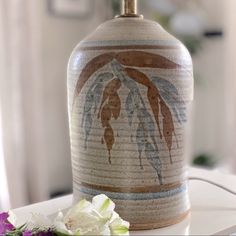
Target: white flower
104, 205
96, 218
60, 225
40, 222
12, 218
119, 226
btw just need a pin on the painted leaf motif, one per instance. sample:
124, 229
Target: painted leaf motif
165, 86
152, 93
105, 116
171, 96
136, 95
129, 107
115, 105
153, 98
168, 126
97, 95
144, 59
94, 93
109, 140
154, 159
103, 77
110, 89
87, 127
120, 73
137, 100
129, 83
182, 112
91, 67
89, 101
140, 139
139, 77
111, 108
98, 87
146, 119
118, 70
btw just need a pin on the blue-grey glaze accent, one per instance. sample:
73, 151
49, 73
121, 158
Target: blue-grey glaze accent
129, 42
135, 196
171, 96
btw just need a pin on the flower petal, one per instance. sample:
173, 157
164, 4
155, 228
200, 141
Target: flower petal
61, 228
106, 231
39, 221
85, 219
82, 206
3, 216
119, 227
104, 205
5, 225
27, 233
96, 218
12, 218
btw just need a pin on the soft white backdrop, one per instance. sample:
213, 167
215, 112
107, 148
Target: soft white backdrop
230, 76
21, 102
35, 47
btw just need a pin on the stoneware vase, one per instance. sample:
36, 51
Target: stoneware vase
130, 84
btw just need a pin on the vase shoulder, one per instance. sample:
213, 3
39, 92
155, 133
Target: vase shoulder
133, 34
130, 31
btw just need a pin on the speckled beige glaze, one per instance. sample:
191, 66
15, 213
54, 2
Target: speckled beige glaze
129, 87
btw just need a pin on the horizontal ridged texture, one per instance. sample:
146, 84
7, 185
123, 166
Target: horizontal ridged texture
128, 108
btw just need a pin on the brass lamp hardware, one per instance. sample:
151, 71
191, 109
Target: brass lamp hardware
129, 9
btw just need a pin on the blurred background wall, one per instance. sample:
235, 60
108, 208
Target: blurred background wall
35, 45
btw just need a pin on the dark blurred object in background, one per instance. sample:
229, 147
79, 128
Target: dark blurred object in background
204, 160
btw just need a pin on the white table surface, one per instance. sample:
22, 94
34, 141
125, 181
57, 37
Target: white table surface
213, 210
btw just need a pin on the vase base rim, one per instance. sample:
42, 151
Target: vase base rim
158, 225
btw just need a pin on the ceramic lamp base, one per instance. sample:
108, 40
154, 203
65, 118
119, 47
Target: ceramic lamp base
129, 87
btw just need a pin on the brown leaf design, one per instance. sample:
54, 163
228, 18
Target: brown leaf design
171, 96
111, 108
168, 125
91, 67
152, 93
139, 77
153, 98
98, 86
110, 89
105, 115
109, 140
115, 105
145, 59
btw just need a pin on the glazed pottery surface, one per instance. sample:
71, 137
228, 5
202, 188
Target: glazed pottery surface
130, 84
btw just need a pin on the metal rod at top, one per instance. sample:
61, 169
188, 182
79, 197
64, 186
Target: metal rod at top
129, 7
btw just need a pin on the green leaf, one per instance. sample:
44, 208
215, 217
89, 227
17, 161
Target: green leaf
22, 227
